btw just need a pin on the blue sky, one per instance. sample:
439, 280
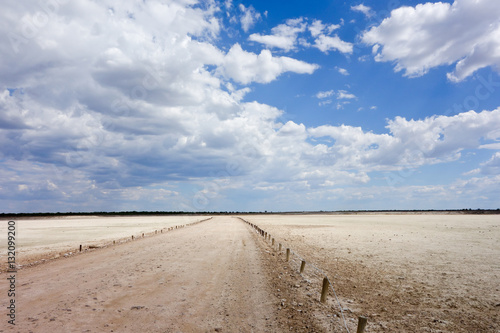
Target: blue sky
249, 105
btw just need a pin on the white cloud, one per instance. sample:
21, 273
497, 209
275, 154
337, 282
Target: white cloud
492, 166
325, 94
245, 67
283, 42
411, 143
327, 43
317, 28
150, 109
141, 108
284, 36
342, 71
249, 17
363, 9
465, 33
342, 94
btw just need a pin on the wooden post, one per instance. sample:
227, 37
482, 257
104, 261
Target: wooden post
114, 242
361, 324
142, 235
132, 237
287, 254
324, 290
80, 247
273, 242
302, 266
279, 247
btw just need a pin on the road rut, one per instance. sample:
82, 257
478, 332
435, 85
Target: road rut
205, 278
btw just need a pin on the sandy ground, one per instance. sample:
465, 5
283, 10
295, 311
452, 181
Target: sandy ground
53, 237
406, 273
215, 276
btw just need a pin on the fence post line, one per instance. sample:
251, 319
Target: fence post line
302, 266
324, 290
80, 247
287, 254
361, 324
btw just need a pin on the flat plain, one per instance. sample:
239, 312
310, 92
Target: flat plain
47, 238
404, 272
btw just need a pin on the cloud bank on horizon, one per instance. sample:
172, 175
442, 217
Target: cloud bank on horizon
224, 105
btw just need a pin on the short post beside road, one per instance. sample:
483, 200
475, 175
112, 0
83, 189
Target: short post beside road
361, 324
287, 254
302, 266
324, 290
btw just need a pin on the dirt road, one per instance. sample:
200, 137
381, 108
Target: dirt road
205, 278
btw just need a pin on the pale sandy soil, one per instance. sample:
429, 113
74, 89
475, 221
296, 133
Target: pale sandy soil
411, 273
406, 273
215, 276
53, 237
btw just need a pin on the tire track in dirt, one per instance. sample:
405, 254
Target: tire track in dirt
205, 278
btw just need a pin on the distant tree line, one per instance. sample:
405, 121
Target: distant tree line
173, 213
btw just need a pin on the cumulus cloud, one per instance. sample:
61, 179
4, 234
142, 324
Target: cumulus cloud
288, 36
318, 27
343, 94
363, 9
428, 35
129, 104
326, 43
409, 143
492, 166
325, 94
245, 67
342, 71
137, 107
249, 17
284, 36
